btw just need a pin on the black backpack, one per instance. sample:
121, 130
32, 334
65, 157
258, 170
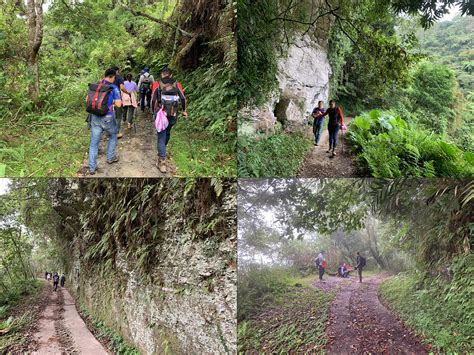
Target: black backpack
98, 98
362, 261
146, 82
170, 90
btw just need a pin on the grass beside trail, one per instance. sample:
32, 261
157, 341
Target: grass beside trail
17, 313
444, 319
279, 155
294, 322
198, 153
54, 147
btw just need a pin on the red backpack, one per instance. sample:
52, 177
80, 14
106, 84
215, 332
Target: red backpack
98, 98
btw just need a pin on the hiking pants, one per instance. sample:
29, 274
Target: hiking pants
100, 124
321, 273
333, 134
55, 286
359, 271
163, 138
128, 112
119, 117
317, 129
145, 93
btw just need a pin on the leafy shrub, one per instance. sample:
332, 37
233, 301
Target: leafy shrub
440, 311
279, 155
386, 146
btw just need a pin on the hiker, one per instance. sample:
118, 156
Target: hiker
129, 100
360, 265
318, 115
336, 122
321, 264
48, 276
119, 114
63, 280
144, 85
168, 96
55, 281
101, 100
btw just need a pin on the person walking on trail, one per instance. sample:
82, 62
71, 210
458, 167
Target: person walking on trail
144, 85
169, 94
360, 260
318, 115
55, 281
321, 264
62, 280
48, 276
129, 100
336, 122
119, 114
101, 100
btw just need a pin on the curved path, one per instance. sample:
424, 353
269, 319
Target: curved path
319, 163
360, 323
136, 151
61, 330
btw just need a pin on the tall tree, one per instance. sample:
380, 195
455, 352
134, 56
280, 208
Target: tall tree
35, 38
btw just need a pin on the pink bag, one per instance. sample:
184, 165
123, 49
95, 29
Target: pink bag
161, 121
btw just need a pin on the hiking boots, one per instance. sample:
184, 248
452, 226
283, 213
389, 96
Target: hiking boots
162, 165
114, 160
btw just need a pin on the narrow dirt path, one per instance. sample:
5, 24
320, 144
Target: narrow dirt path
319, 163
360, 324
61, 330
136, 151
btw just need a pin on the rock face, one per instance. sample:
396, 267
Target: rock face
185, 303
303, 80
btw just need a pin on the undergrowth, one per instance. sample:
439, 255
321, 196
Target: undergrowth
115, 342
441, 311
387, 146
278, 155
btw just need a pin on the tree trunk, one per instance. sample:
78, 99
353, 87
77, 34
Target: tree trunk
35, 38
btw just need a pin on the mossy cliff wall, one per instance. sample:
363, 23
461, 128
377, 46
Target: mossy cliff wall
158, 265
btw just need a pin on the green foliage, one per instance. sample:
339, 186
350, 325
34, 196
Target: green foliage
115, 342
439, 310
279, 155
386, 146
281, 313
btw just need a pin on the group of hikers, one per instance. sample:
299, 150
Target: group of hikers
335, 123
343, 270
113, 100
56, 279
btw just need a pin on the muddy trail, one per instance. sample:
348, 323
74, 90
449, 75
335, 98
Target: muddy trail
136, 151
360, 324
319, 163
60, 329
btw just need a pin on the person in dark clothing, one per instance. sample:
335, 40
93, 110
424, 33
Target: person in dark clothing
321, 264
63, 280
360, 265
55, 281
336, 121
46, 275
318, 122
168, 94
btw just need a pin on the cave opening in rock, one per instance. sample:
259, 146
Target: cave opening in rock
280, 110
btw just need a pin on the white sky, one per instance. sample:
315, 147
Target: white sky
454, 11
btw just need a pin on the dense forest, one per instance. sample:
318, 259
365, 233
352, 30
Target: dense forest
416, 236
150, 263
51, 50
403, 75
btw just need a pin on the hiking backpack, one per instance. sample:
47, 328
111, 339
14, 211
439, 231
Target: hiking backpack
170, 97
145, 82
362, 261
98, 98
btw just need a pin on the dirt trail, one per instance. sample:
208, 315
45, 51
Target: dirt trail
61, 330
136, 151
319, 163
360, 324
